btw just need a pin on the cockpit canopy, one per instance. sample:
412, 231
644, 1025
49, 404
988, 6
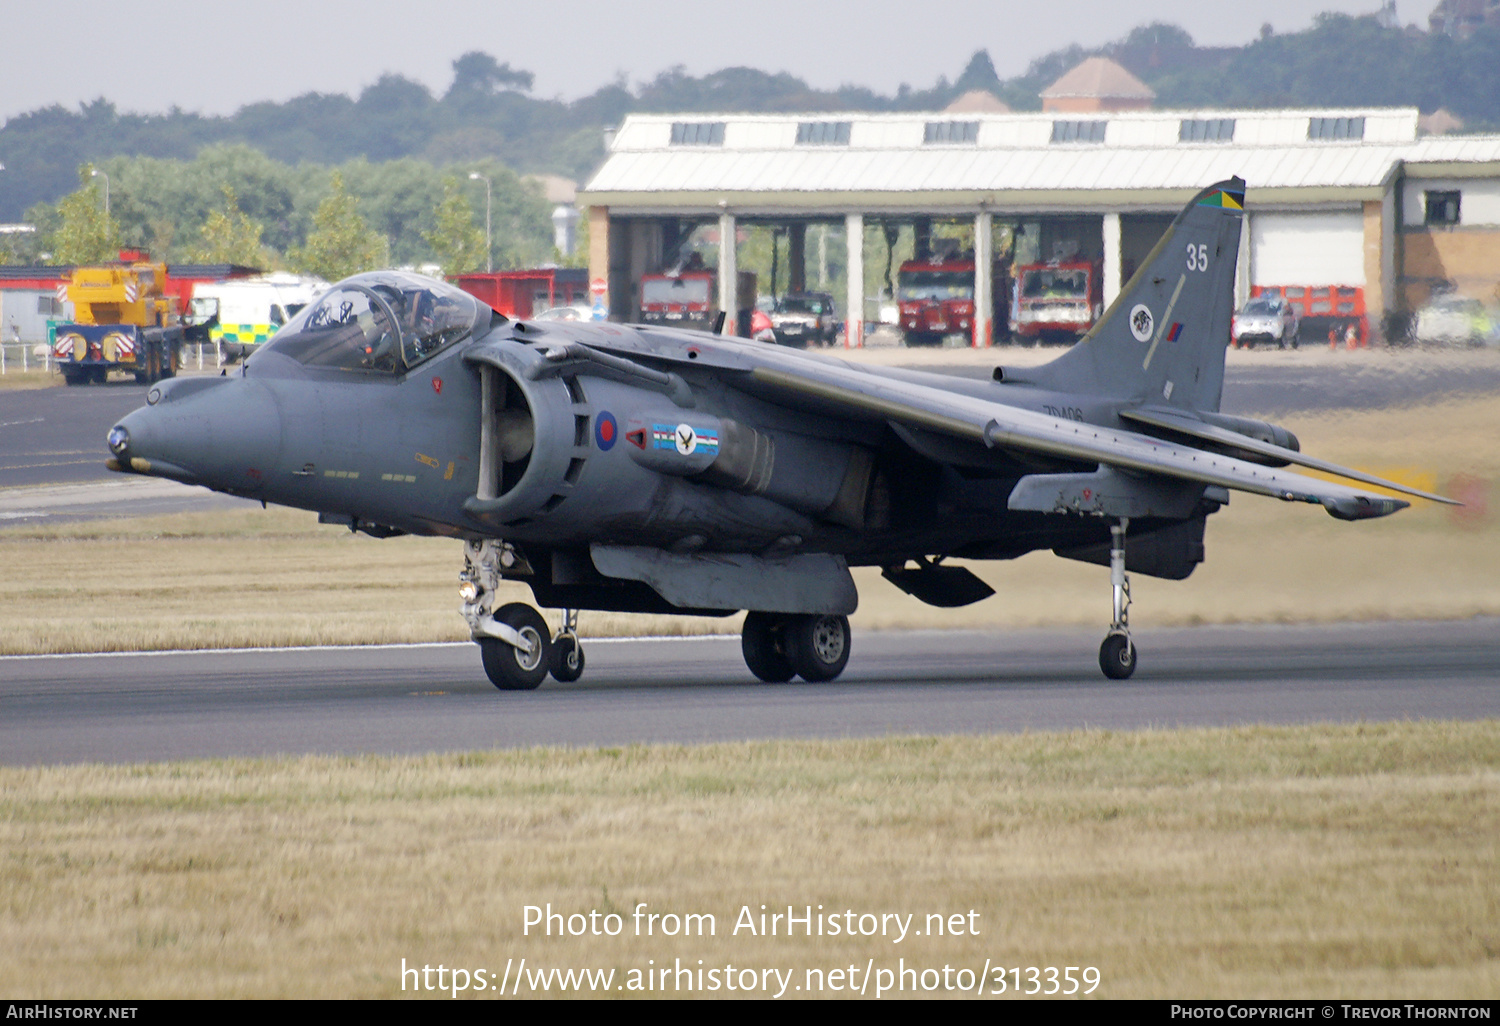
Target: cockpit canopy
383, 321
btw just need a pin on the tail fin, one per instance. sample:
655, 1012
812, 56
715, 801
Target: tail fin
1162, 340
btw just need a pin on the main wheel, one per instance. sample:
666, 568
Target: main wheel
1117, 657
817, 646
75, 376
567, 659
510, 668
760, 641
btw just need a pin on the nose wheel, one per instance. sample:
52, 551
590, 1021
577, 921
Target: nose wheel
567, 652
1117, 653
517, 648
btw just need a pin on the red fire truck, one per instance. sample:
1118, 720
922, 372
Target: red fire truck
523, 294
936, 298
690, 299
1058, 301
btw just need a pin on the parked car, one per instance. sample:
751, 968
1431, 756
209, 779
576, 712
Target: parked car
1452, 320
804, 317
1265, 319
565, 313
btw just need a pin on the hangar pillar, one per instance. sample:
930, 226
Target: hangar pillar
1113, 257
796, 257
728, 273
622, 301
1243, 275
599, 257
854, 310
984, 269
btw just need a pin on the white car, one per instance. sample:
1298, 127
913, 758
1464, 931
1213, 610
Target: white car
565, 313
1265, 319
1453, 320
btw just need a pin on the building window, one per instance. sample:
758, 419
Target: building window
1078, 131
823, 133
1442, 208
951, 132
1335, 128
1206, 130
697, 133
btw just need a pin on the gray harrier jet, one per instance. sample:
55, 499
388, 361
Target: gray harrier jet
620, 467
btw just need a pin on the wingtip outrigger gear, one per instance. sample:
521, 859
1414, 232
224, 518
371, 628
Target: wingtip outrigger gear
1117, 653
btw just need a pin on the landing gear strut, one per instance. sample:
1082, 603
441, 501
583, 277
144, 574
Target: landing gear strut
514, 642
1117, 653
779, 646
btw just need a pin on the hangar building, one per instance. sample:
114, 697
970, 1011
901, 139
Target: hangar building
1349, 211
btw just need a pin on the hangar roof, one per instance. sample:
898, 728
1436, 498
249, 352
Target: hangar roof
828, 164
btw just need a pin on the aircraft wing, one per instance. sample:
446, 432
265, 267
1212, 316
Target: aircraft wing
839, 387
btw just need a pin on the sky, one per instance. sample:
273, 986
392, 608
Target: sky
202, 55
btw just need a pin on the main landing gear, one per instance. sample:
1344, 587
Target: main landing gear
517, 648
780, 646
1117, 653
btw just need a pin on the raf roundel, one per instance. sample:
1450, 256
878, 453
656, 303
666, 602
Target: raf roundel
1141, 322
606, 430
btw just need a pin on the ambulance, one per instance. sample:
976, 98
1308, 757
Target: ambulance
244, 313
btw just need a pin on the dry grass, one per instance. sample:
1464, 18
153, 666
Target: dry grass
276, 577
33, 377
1331, 861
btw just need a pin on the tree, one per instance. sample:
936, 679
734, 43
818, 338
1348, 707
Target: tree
341, 243
457, 240
978, 74
230, 237
478, 72
85, 234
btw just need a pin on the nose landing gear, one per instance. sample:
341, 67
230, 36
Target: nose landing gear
1117, 653
517, 648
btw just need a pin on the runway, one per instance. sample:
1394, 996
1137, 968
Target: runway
434, 698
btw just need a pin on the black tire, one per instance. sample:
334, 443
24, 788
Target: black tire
760, 641
817, 646
1117, 657
567, 660
75, 376
507, 667
99, 375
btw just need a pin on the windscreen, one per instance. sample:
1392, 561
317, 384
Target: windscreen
803, 304
384, 321
1259, 308
674, 292
1055, 284
939, 285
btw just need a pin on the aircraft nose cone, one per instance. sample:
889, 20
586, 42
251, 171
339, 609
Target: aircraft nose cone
222, 433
